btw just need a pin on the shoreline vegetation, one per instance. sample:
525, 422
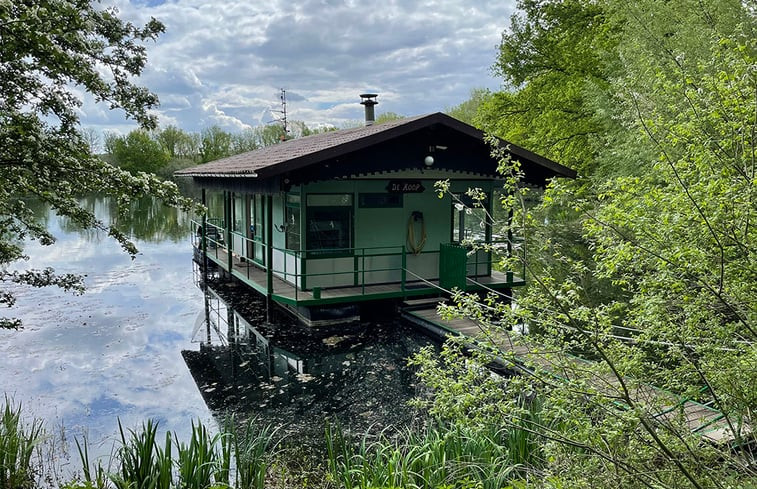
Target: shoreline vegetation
249, 455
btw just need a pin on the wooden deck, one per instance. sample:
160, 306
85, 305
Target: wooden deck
701, 419
285, 292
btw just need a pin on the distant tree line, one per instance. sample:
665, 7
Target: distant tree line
165, 150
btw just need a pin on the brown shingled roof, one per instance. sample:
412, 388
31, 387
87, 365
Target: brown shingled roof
298, 153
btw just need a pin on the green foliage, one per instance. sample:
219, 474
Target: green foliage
467, 111
178, 143
142, 463
18, 443
200, 464
441, 456
216, 144
137, 152
553, 56
207, 460
388, 117
645, 267
252, 450
46, 49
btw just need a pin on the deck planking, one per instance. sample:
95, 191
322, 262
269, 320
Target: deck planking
708, 422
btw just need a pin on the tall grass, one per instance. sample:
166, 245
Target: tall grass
252, 453
485, 457
206, 461
199, 463
141, 462
17, 445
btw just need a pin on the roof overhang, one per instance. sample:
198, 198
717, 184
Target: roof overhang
313, 155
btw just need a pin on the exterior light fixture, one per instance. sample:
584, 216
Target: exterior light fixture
428, 160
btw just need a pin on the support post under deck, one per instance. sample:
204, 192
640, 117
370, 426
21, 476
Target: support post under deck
269, 253
204, 239
227, 224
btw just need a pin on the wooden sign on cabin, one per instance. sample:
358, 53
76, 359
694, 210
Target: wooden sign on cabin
405, 187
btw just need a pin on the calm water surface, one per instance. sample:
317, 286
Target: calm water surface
130, 347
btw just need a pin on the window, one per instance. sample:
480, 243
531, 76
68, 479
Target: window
256, 223
292, 222
376, 200
237, 209
469, 223
329, 223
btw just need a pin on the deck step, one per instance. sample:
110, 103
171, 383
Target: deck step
427, 303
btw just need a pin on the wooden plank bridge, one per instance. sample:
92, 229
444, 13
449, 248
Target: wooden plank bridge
701, 419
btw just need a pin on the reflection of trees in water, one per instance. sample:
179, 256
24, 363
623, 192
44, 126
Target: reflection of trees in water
297, 377
144, 219
148, 219
41, 211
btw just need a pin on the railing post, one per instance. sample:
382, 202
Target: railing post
404, 269
269, 244
204, 238
304, 269
227, 223
363, 266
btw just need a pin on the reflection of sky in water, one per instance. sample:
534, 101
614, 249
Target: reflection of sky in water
83, 361
116, 351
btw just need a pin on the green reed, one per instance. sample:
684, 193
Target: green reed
17, 445
436, 457
205, 461
252, 447
141, 462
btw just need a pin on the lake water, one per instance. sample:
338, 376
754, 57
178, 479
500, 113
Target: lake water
130, 347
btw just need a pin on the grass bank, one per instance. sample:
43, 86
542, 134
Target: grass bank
253, 456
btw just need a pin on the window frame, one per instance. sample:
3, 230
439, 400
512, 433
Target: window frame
311, 212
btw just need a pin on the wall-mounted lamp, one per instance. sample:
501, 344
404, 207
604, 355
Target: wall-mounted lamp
429, 160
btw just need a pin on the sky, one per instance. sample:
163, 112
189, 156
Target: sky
223, 62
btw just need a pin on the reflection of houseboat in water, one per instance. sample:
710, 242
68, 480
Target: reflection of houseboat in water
328, 224
288, 374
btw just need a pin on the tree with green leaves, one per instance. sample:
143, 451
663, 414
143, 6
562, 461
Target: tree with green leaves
138, 151
178, 143
468, 110
616, 372
553, 58
45, 49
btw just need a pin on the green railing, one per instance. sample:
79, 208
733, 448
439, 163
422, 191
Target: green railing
363, 266
299, 279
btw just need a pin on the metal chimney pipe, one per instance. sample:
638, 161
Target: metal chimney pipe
369, 100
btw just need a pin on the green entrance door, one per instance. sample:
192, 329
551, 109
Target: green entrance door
453, 264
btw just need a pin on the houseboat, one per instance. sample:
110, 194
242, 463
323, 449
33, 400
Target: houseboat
330, 224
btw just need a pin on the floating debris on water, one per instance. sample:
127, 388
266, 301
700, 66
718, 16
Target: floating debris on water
302, 377
334, 340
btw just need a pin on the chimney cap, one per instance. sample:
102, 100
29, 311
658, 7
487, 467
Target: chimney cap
369, 101
367, 98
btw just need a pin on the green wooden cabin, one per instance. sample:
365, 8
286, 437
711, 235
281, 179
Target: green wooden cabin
328, 222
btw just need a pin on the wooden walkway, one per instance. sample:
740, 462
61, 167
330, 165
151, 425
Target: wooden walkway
701, 419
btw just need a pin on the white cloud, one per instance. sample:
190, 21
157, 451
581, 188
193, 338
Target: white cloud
222, 62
